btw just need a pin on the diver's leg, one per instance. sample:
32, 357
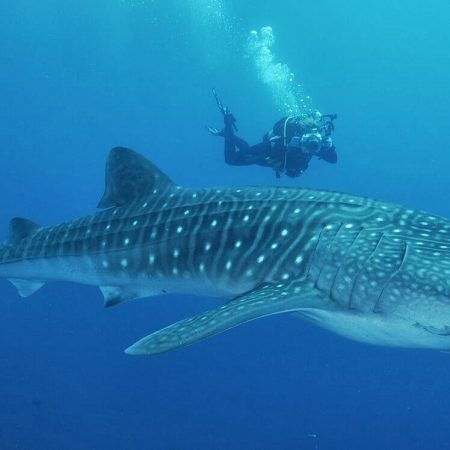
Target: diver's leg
238, 152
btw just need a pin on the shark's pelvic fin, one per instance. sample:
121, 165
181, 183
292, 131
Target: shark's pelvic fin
267, 300
130, 176
25, 287
19, 229
114, 295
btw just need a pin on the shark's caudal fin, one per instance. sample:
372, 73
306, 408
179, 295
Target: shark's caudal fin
130, 176
19, 229
264, 301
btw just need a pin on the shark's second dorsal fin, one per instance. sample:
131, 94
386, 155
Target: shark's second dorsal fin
130, 176
19, 229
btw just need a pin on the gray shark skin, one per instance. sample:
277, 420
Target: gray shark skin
371, 271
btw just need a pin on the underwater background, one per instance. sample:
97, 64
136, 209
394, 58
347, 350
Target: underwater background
80, 77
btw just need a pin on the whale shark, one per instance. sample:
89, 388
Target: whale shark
371, 271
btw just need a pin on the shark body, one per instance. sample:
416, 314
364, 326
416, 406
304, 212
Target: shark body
371, 271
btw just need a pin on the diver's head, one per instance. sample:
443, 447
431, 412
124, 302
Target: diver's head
326, 124
311, 142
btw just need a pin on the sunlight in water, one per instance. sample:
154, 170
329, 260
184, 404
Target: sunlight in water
211, 26
213, 29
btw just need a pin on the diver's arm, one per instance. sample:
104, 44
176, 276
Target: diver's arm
296, 163
328, 154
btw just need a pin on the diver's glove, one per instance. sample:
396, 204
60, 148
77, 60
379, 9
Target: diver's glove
228, 119
228, 129
215, 131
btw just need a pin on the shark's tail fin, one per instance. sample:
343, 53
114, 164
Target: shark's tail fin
20, 229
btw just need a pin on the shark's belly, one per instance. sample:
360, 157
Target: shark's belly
69, 268
378, 329
122, 272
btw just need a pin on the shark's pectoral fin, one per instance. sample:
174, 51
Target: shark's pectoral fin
113, 295
26, 287
263, 301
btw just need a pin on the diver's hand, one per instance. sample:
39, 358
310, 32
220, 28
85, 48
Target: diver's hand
228, 119
215, 131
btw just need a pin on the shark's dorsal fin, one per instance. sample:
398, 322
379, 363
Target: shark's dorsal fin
19, 229
264, 301
130, 176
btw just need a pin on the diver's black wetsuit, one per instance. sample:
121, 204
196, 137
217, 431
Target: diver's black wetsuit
271, 152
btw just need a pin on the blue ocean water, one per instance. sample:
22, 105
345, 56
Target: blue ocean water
80, 77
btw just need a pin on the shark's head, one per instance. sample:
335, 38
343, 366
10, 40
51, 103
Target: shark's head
404, 284
420, 291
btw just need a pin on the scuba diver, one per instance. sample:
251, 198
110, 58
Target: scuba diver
287, 147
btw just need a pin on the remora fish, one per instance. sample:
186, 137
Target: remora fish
371, 271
